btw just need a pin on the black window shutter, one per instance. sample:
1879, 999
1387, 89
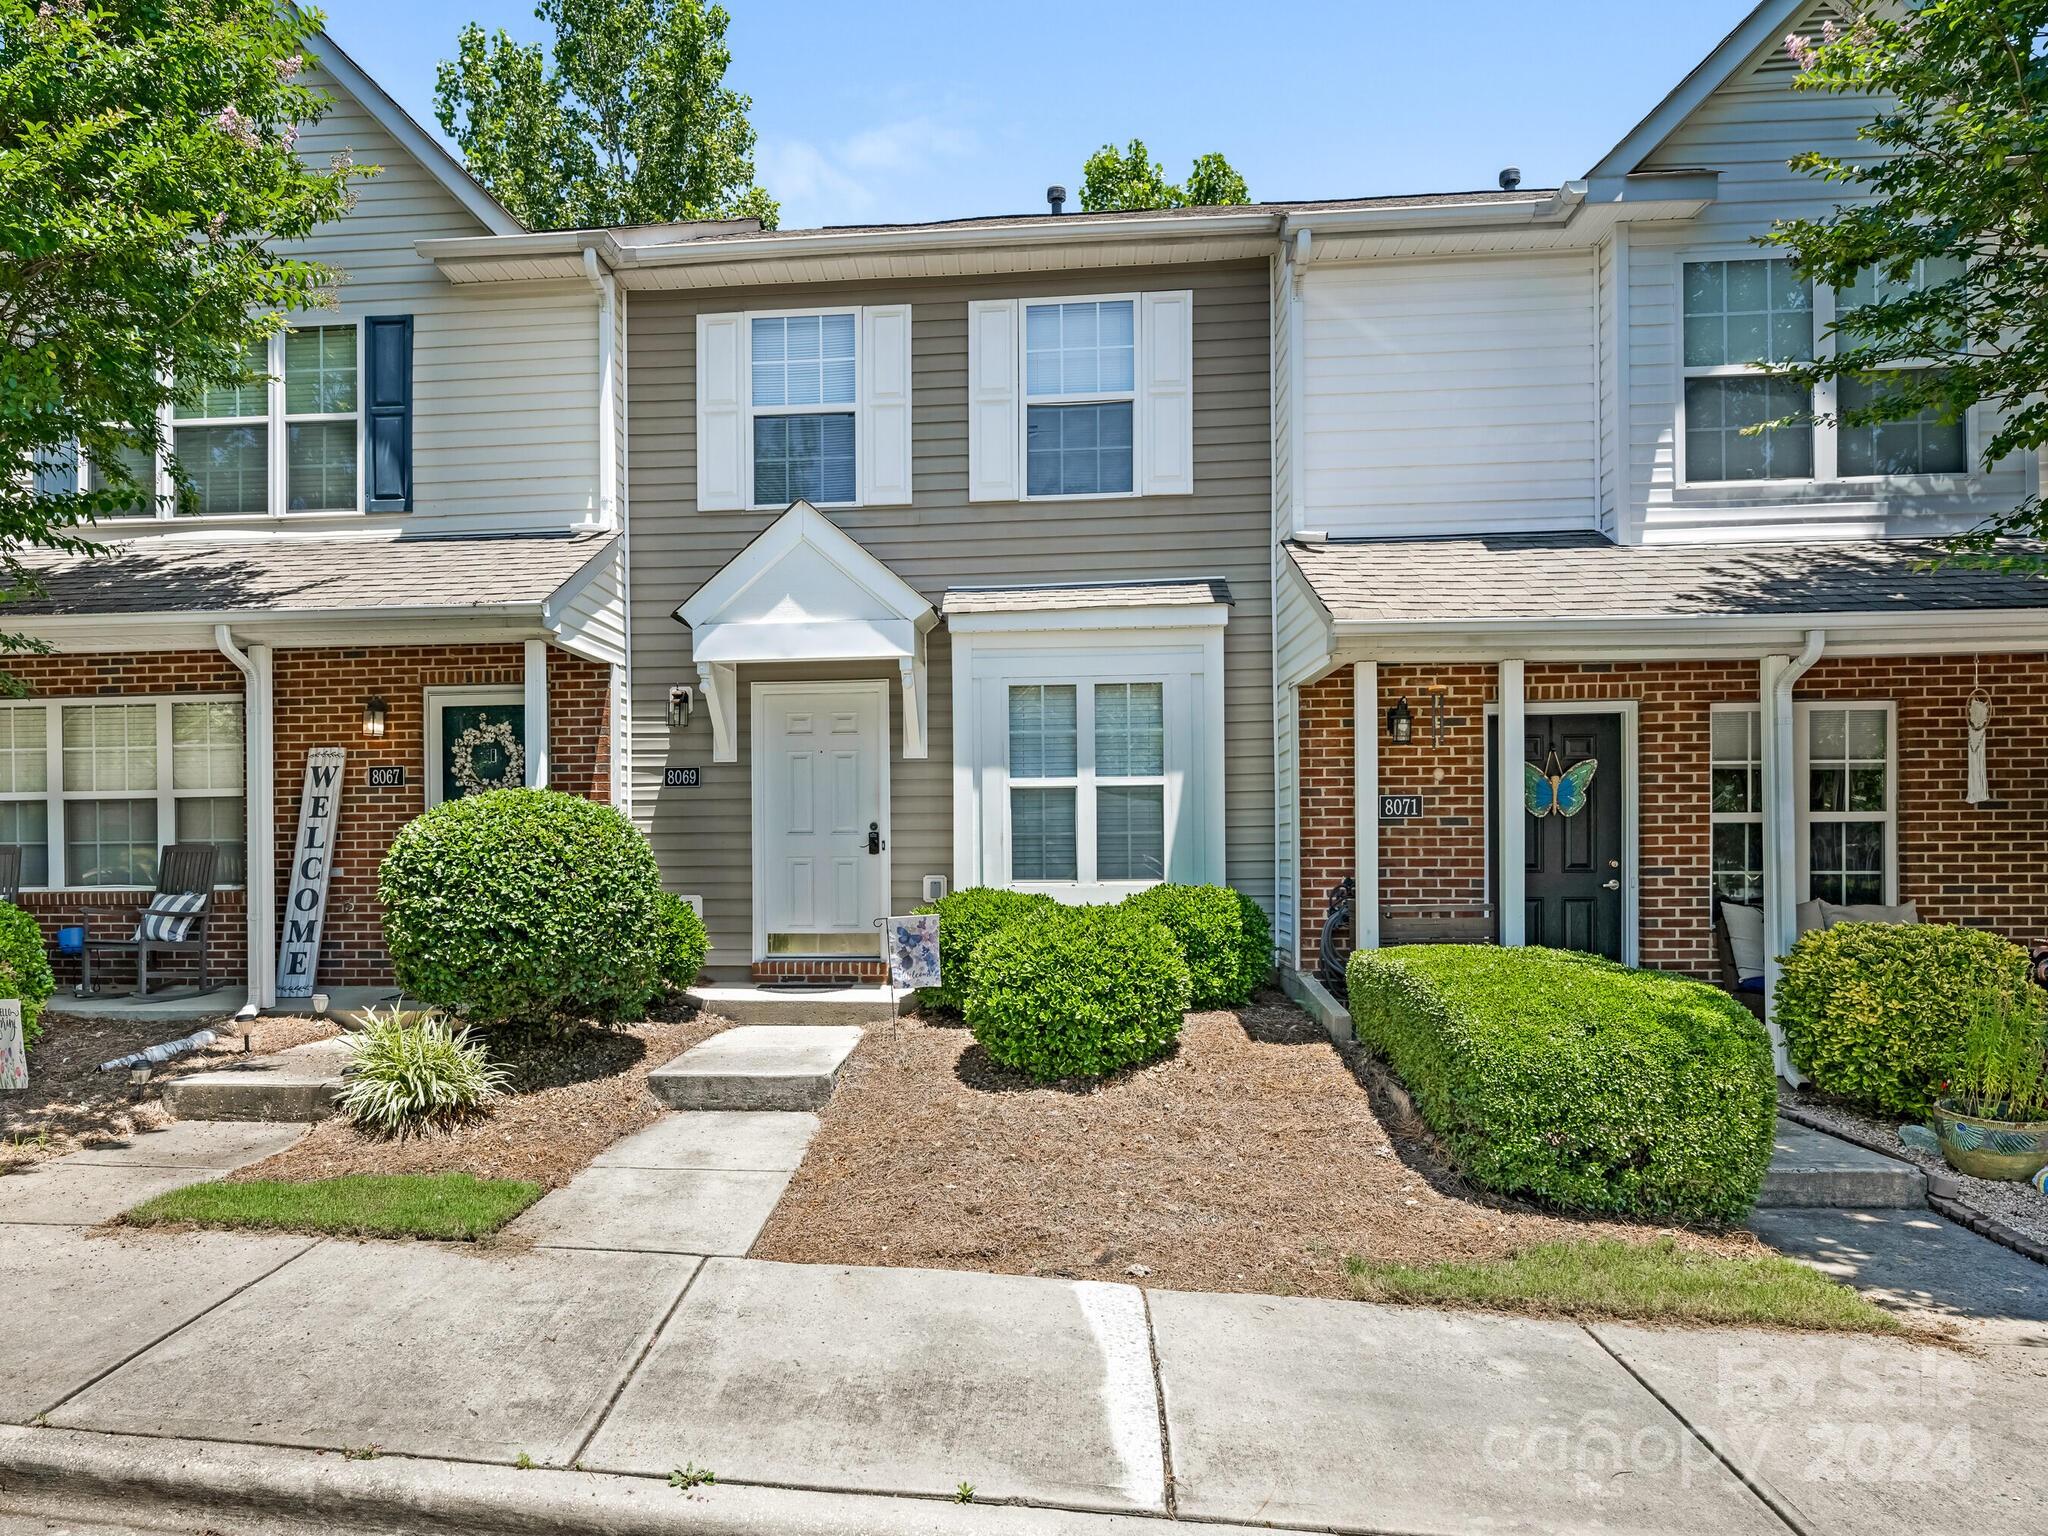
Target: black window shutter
388, 411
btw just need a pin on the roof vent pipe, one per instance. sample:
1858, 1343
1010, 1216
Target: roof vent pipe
1056, 198
1510, 178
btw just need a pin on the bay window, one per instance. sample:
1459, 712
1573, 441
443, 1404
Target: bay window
91, 791
804, 391
1846, 803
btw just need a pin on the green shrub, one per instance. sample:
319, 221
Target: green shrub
965, 919
1223, 933
1078, 992
409, 1069
522, 905
680, 945
24, 968
1573, 1080
1876, 1013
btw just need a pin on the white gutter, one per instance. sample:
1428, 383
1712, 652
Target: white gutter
259, 814
1781, 919
605, 286
1555, 207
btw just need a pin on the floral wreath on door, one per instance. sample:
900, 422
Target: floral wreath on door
462, 757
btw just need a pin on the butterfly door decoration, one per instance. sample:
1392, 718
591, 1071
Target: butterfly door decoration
1554, 792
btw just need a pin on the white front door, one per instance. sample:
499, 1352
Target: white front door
821, 830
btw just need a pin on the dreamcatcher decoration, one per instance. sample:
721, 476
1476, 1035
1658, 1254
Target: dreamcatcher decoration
487, 733
1552, 791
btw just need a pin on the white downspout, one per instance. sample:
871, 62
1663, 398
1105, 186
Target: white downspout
259, 794
1781, 912
605, 287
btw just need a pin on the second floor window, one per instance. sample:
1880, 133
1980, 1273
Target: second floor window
1080, 392
804, 390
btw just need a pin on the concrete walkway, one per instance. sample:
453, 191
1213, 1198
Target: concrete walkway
827, 1398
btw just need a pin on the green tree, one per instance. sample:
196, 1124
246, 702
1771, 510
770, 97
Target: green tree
1942, 248
1122, 181
626, 119
147, 174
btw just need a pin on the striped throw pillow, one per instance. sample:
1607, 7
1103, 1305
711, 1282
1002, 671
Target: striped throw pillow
169, 918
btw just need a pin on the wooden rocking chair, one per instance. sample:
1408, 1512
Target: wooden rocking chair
174, 923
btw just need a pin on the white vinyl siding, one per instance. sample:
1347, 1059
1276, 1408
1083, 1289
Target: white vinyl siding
1450, 396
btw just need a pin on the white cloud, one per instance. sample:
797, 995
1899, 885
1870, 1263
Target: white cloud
867, 175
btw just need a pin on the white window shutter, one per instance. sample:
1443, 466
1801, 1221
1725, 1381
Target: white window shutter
1166, 393
722, 459
993, 430
885, 406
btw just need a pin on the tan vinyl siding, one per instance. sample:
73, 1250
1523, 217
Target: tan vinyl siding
1747, 130
703, 835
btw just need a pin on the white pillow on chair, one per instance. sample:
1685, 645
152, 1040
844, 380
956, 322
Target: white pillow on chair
1904, 912
1745, 938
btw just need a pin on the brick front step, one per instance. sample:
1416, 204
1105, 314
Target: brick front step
846, 973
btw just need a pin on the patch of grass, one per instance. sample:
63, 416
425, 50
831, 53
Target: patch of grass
438, 1205
689, 1475
1650, 1282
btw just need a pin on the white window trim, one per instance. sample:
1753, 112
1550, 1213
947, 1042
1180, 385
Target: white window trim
1826, 435
56, 796
1803, 818
749, 411
437, 698
1026, 400
1084, 647
276, 421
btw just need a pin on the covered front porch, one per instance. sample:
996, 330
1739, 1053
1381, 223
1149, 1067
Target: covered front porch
1677, 728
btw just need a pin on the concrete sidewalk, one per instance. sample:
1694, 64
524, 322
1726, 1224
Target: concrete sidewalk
218, 1375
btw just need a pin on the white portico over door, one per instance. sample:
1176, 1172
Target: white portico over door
821, 818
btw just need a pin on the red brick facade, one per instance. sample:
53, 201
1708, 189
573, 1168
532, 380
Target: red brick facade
318, 701
1985, 866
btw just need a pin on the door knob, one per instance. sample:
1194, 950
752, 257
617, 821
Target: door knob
1610, 885
874, 837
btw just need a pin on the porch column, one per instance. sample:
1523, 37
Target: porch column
260, 811
537, 713
1365, 801
1781, 916
1514, 824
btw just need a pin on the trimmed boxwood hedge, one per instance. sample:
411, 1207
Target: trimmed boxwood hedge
1573, 1080
680, 945
24, 968
523, 906
1875, 1012
1078, 992
1223, 933
966, 917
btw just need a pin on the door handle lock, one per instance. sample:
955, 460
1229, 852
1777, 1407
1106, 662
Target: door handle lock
1610, 885
874, 837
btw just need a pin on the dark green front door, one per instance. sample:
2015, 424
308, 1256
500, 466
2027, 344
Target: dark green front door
483, 746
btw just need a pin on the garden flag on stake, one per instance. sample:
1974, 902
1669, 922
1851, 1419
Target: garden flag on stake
914, 951
13, 1053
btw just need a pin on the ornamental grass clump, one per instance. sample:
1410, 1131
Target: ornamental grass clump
523, 906
1575, 1081
410, 1070
1878, 1013
1223, 933
1078, 992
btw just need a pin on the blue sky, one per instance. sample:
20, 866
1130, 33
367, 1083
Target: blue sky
919, 110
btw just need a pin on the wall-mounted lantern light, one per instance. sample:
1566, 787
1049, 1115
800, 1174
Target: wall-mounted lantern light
682, 703
1400, 722
375, 713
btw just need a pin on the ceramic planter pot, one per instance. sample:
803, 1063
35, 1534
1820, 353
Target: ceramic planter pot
1990, 1149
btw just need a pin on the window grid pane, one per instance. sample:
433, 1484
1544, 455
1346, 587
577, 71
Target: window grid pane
26, 823
1848, 793
24, 742
320, 370
206, 745
803, 360
320, 466
249, 399
1735, 779
1078, 450
1130, 730
1080, 349
1716, 447
1920, 445
1042, 836
1044, 731
1739, 312
215, 819
109, 747
228, 467
1130, 832
809, 458
110, 842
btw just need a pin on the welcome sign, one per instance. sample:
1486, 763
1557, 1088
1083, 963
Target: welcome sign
298, 955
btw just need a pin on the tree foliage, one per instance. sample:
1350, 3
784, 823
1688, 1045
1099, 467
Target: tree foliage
625, 119
1128, 180
1946, 231
148, 177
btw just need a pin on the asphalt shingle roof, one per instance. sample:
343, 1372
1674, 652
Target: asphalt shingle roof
1543, 577
304, 573
1058, 597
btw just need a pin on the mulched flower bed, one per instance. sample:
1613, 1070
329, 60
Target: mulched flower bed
570, 1099
1255, 1158
2008, 1202
71, 1104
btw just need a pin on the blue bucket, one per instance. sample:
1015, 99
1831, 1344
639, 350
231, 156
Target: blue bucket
71, 940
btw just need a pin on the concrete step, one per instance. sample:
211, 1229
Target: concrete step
758, 1066
759, 1005
1814, 1170
293, 1085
